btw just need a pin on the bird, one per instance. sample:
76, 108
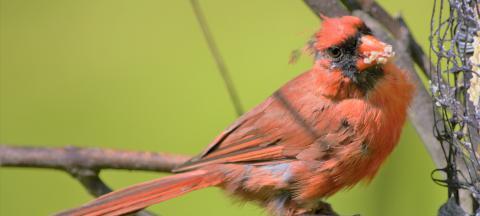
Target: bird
323, 131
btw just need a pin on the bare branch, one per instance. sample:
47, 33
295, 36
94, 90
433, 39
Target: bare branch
72, 158
85, 163
91, 181
331, 8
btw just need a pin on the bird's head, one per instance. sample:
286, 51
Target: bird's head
346, 46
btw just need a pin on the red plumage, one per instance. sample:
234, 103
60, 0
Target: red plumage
323, 131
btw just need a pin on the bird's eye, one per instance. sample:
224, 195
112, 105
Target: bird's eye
334, 52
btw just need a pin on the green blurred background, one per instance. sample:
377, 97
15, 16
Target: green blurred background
138, 75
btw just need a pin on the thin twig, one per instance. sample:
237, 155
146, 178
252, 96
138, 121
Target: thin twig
222, 68
90, 179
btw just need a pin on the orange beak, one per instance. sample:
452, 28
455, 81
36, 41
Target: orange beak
372, 52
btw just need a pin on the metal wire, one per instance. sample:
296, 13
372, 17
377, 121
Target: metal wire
454, 43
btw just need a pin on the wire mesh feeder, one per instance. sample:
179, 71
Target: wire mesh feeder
455, 87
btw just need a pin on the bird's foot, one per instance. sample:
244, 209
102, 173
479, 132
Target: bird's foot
322, 209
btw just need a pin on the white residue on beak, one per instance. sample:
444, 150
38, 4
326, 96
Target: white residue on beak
379, 57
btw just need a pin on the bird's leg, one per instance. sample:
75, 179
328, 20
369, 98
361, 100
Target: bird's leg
321, 209
283, 205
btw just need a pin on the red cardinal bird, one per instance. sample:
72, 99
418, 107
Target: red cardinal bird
323, 131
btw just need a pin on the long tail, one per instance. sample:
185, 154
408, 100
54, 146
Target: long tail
139, 196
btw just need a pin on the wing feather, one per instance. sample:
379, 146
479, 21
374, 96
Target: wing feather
277, 130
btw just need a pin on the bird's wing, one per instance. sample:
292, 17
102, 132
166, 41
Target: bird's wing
283, 127
277, 130
253, 137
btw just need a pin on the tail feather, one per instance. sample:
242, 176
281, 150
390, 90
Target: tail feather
145, 194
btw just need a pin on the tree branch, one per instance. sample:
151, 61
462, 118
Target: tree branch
75, 158
330, 8
85, 163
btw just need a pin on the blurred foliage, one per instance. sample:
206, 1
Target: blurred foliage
138, 75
